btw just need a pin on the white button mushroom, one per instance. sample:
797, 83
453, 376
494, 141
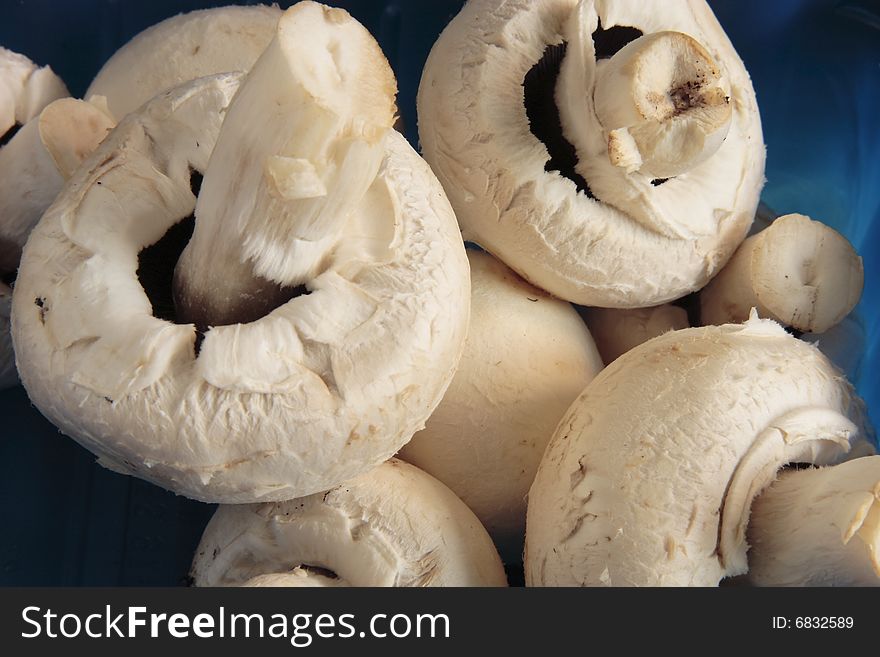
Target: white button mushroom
313, 392
183, 48
651, 473
610, 176
818, 527
393, 526
527, 357
797, 271
616, 331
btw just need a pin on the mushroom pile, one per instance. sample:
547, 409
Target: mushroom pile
235, 280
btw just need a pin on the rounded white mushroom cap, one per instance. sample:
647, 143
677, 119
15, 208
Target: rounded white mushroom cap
618, 330
320, 389
182, 48
393, 526
527, 357
634, 240
651, 473
818, 527
25, 89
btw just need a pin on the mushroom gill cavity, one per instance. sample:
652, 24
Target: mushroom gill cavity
609, 42
318, 570
157, 261
539, 87
10, 253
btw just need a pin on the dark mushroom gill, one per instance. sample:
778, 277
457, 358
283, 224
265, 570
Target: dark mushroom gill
539, 88
157, 261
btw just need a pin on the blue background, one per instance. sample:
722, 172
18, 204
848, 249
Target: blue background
816, 70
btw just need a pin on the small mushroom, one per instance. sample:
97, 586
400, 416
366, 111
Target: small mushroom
393, 526
609, 152
183, 48
616, 331
25, 89
818, 527
797, 271
651, 473
310, 197
527, 357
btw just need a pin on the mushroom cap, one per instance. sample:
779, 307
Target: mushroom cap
25, 89
527, 357
182, 48
323, 388
616, 331
637, 243
393, 526
651, 473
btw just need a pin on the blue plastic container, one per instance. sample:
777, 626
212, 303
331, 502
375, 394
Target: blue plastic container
816, 69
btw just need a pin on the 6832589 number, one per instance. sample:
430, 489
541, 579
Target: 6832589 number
824, 622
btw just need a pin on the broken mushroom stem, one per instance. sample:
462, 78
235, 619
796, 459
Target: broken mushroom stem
818, 527
798, 271
298, 150
663, 103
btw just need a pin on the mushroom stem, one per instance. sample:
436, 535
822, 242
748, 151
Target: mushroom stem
36, 162
310, 117
798, 271
663, 103
616, 331
818, 527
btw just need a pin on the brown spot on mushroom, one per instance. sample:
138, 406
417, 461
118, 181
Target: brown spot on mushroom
41, 304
